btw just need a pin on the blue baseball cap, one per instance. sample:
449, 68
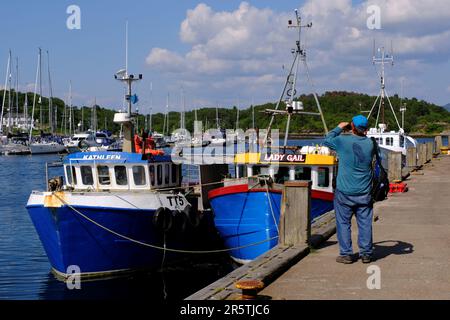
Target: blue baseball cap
360, 122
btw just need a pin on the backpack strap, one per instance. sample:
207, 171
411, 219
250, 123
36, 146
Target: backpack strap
376, 150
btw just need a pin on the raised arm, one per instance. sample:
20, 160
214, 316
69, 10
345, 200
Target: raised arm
331, 140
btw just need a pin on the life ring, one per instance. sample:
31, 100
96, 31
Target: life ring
83, 145
163, 219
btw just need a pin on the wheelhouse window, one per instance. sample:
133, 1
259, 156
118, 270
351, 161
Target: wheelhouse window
323, 177
282, 176
139, 176
71, 175
241, 171
166, 174
303, 173
152, 174
159, 177
86, 175
175, 169
103, 175
121, 175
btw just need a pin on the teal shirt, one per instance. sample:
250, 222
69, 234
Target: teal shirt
355, 161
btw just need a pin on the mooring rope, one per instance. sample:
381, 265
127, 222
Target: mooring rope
154, 246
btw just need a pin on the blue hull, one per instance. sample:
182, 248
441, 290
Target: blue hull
246, 218
69, 239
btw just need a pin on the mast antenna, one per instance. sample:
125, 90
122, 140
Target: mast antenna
289, 91
382, 59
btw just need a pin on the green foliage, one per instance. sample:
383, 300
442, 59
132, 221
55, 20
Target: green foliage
337, 106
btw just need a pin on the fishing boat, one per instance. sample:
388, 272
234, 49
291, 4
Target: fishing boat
113, 212
247, 207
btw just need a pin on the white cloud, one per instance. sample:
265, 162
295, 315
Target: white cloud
238, 51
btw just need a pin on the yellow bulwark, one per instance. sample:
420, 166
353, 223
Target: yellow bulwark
294, 159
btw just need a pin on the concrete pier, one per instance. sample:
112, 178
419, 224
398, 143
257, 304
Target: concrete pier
412, 250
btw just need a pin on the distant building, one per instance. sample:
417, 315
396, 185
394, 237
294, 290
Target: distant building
19, 122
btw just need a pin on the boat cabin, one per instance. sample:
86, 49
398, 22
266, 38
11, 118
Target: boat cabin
117, 171
321, 169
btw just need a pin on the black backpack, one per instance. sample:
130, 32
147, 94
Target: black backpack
380, 181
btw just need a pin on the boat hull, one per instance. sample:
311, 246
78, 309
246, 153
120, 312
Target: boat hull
47, 148
69, 239
245, 217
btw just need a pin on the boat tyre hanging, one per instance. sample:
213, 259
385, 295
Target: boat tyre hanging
163, 219
192, 216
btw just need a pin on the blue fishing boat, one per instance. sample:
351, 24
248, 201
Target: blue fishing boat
247, 208
110, 198
113, 212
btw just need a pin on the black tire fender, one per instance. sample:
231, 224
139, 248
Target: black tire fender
163, 219
192, 216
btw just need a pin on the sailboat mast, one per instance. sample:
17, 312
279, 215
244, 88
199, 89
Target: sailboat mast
50, 100
41, 113
9, 98
151, 107
35, 95
17, 91
70, 108
8, 70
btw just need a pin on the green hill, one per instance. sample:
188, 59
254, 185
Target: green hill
421, 117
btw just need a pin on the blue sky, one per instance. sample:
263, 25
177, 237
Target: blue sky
90, 56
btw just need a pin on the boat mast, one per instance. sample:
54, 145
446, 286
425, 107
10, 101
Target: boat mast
151, 107
217, 116
41, 114
35, 95
8, 70
9, 97
289, 91
253, 114
17, 91
382, 61
50, 100
70, 107
128, 126
25, 111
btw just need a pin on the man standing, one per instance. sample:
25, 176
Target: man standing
354, 186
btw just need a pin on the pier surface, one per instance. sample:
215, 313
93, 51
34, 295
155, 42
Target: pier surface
412, 249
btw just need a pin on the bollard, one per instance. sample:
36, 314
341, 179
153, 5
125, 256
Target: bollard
437, 144
295, 217
249, 288
422, 150
395, 166
429, 152
411, 157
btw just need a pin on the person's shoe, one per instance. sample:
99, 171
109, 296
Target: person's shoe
345, 259
366, 259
